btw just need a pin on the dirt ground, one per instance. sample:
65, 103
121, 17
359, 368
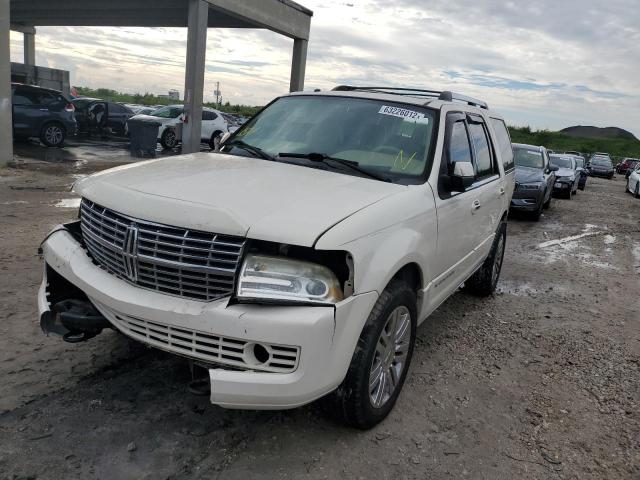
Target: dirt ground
540, 381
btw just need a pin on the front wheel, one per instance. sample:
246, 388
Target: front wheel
214, 141
636, 192
169, 139
483, 283
380, 362
53, 135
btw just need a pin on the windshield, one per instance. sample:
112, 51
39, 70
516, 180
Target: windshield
168, 112
524, 157
579, 162
383, 137
601, 161
561, 162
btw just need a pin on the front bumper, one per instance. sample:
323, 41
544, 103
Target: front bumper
526, 200
601, 173
562, 186
325, 336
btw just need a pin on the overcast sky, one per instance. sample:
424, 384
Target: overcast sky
544, 63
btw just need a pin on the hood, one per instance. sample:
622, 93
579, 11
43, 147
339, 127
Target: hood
528, 175
565, 172
151, 118
601, 167
235, 195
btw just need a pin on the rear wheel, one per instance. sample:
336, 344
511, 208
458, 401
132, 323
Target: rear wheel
483, 282
381, 359
53, 134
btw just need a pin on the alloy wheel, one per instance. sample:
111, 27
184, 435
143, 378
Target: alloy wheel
53, 134
390, 357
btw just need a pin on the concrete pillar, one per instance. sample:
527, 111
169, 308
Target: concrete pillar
194, 76
298, 64
6, 134
29, 48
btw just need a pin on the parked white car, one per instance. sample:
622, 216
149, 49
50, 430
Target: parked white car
633, 182
300, 260
214, 126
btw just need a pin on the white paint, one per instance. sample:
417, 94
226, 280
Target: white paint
563, 240
68, 203
609, 239
14, 202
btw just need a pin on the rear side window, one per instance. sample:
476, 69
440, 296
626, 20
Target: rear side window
504, 143
25, 97
484, 160
207, 115
459, 149
116, 108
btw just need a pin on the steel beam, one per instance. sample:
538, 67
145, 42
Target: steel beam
6, 122
194, 76
298, 65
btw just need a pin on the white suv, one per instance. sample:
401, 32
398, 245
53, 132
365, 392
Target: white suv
171, 118
300, 260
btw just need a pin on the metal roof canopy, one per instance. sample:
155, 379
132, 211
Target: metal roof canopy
281, 16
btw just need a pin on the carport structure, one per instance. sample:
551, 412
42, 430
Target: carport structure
281, 16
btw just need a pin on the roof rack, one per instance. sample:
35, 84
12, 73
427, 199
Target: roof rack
446, 96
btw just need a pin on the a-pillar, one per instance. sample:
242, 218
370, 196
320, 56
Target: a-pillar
194, 76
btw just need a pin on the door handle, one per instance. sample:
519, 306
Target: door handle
501, 191
476, 205
44, 109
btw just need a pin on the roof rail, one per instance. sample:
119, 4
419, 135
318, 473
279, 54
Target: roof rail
446, 96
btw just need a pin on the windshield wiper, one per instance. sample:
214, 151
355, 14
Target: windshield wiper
324, 158
258, 152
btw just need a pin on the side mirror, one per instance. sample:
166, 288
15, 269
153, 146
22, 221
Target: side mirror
463, 176
224, 138
553, 168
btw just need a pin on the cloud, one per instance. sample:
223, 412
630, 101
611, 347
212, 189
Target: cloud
547, 63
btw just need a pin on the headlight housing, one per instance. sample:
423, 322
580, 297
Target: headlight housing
280, 279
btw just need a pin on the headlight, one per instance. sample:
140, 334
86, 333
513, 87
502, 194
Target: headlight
529, 186
288, 280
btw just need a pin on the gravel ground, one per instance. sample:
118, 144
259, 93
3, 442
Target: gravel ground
542, 380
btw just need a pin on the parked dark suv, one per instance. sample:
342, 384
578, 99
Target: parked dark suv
43, 113
93, 114
535, 178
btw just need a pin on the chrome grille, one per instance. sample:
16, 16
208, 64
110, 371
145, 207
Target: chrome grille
206, 347
172, 260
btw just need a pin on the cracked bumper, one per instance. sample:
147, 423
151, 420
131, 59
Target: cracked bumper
326, 336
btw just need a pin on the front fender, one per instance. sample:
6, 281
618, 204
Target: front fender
386, 236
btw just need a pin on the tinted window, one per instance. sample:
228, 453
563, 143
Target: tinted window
525, 157
168, 112
484, 162
25, 97
459, 149
504, 143
207, 115
115, 108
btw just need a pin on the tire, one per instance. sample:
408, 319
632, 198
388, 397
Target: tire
169, 140
355, 402
569, 194
483, 282
53, 134
636, 192
214, 141
535, 216
546, 205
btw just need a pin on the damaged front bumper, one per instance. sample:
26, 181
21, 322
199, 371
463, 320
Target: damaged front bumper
303, 353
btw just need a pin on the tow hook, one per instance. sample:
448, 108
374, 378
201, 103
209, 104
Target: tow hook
76, 320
